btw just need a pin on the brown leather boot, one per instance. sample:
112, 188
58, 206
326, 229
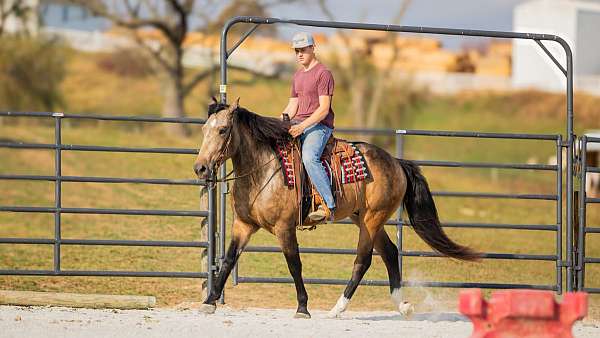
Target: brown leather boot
319, 214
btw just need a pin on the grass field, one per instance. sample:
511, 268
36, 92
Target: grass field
105, 94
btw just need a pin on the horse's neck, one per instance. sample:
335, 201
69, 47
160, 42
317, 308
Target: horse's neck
253, 159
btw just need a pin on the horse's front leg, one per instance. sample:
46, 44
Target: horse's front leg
289, 246
240, 237
364, 256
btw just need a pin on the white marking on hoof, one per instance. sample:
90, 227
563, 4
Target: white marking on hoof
339, 307
405, 308
301, 315
207, 308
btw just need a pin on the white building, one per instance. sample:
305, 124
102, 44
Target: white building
576, 21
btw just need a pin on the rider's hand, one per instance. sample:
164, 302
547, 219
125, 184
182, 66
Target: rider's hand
297, 130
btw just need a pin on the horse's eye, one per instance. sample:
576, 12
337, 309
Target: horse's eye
222, 131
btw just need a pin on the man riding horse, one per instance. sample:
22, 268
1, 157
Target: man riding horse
309, 108
262, 198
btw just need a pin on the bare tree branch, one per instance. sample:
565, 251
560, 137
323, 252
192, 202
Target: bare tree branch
367, 95
133, 22
383, 76
133, 9
150, 5
205, 73
157, 54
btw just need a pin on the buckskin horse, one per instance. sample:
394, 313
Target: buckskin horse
260, 199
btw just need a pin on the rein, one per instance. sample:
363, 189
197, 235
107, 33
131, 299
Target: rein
227, 178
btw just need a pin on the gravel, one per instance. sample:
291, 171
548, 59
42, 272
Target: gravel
48, 322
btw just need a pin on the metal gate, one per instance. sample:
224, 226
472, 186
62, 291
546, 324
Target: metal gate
561, 144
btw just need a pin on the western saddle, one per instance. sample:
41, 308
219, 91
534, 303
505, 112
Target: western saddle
343, 162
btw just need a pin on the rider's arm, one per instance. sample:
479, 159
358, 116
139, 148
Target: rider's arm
320, 113
292, 107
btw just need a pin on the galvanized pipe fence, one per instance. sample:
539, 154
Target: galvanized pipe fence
58, 209
216, 210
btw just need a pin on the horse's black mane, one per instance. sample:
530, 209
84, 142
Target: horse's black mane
263, 129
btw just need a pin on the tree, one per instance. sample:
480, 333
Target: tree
367, 82
20, 10
171, 18
27, 81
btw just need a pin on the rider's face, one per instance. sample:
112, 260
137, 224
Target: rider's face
305, 55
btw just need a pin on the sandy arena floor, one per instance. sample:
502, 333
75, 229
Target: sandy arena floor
48, 322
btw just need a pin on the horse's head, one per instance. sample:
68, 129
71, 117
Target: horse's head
219, 138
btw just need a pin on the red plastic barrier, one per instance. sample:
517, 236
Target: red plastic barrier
522, 313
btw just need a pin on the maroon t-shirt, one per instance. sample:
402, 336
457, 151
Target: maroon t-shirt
307, 86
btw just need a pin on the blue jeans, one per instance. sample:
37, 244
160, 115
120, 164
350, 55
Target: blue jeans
314, 140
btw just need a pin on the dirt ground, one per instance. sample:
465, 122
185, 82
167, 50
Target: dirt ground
49, 322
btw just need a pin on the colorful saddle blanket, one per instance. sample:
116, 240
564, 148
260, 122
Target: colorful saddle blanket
343, 161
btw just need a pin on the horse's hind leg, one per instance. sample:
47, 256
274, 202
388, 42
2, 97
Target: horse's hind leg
389, 254
289, 245
240, 237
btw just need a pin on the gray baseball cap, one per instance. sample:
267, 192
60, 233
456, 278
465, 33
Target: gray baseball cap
302, 39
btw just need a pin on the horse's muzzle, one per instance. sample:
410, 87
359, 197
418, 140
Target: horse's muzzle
201, 170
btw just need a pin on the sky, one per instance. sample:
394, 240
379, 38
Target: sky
474, 14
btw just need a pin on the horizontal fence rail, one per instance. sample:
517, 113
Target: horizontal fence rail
58, 209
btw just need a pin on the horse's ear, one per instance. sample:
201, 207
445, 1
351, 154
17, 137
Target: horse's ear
235, 105
214, 100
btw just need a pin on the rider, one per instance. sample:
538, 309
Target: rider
309, 108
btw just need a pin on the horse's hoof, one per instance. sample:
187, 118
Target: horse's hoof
208, 309
340, 306
406, 309
302, 315
333, 313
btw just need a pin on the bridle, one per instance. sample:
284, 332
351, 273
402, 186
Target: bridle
220, 160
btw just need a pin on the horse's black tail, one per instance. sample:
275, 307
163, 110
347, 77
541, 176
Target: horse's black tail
424, 217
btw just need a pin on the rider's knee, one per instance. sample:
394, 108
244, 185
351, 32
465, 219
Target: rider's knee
309, 159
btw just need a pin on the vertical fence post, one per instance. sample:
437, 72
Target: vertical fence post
212, 214
57, 189
399, 226
559, 222
569, 197
222, 221
580, 267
